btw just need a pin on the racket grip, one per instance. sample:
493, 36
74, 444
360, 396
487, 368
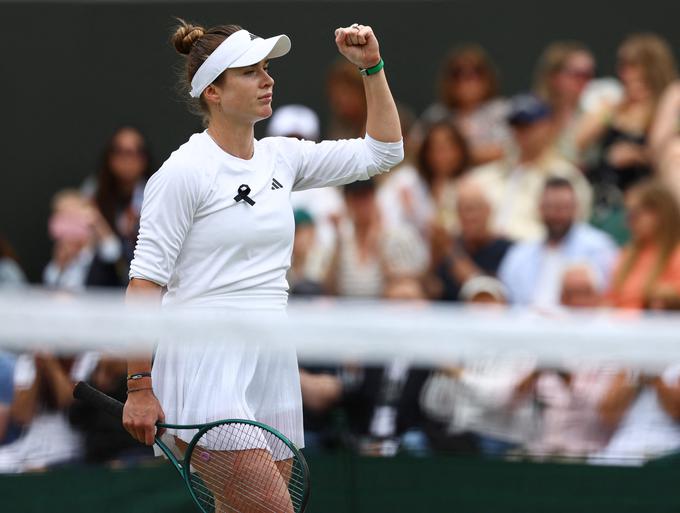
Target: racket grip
98, 399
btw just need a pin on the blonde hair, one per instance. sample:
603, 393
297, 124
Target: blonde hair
653, 54
67, 197
553, 60
655, 197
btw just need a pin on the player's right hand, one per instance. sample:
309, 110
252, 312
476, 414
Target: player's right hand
140, 414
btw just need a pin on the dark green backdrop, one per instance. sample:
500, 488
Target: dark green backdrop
71, 72
345, 484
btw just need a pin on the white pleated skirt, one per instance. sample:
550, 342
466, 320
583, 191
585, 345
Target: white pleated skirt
199, 382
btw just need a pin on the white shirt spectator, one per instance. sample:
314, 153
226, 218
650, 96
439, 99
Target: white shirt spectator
404, 200
11, 274
49, 439
484, 399
73, 276
646, 431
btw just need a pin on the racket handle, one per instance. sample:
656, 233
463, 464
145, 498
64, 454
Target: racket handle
100, 400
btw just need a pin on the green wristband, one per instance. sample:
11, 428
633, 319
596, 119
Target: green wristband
372, 71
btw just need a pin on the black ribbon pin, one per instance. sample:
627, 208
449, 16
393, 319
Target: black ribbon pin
243, 192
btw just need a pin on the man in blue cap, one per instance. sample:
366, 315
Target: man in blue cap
515, 183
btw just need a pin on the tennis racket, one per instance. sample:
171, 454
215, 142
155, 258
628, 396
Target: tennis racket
229, 465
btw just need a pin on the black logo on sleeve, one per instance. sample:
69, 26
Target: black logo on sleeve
276, 185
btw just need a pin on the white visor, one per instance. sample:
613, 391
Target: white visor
238, 50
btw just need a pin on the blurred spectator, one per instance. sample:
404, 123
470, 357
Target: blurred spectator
532, 270
646, 67
119, 188
357, 266
324, 204
582, 287
663, 297
484, 290
645, 410
378, 405
402, 193
383, 403
563, 71
347, 101
487, 405
468, 96
8, 430
477, 250
406, 261
85, 249
105, 440
295, 121
381, 408
572, 426
43, 393
11, 274
367, 255
652, 258
404, 288
515, 184
665, 139
442, 160
322, 391
305, 276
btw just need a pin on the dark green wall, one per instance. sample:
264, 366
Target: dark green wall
348, 484
72, 72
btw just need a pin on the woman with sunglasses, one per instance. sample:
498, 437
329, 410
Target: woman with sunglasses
117, 192
217, 232
563, 71
468, 96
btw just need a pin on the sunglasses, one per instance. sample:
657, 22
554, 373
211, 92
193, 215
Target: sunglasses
626, 62
128, 152
580, 74
467, 72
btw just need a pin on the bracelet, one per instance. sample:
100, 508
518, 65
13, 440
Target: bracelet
139, 389
365, 72
138, 375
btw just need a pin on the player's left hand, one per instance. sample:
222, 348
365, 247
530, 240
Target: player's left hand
359, 45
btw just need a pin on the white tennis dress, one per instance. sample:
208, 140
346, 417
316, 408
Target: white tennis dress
212, 251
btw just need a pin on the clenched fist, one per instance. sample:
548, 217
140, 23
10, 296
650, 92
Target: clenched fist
359, 45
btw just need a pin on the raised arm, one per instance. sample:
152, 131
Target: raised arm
360, 46
333, 163
666, 121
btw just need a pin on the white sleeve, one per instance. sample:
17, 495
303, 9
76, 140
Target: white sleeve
330, 163
171, 198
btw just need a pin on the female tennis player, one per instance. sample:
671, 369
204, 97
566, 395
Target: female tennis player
217, 229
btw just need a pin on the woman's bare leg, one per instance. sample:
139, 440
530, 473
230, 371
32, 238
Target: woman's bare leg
247, 481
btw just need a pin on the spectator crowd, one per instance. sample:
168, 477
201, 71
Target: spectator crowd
566, 196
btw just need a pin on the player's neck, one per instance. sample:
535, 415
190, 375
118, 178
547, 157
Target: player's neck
233, 137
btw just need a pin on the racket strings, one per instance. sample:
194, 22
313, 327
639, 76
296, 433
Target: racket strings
235, 464
207, 497
258, 489
204, 482
257, 499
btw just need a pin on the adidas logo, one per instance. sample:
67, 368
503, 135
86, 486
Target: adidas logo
276, 185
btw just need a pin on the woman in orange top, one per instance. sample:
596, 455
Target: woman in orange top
652, 258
